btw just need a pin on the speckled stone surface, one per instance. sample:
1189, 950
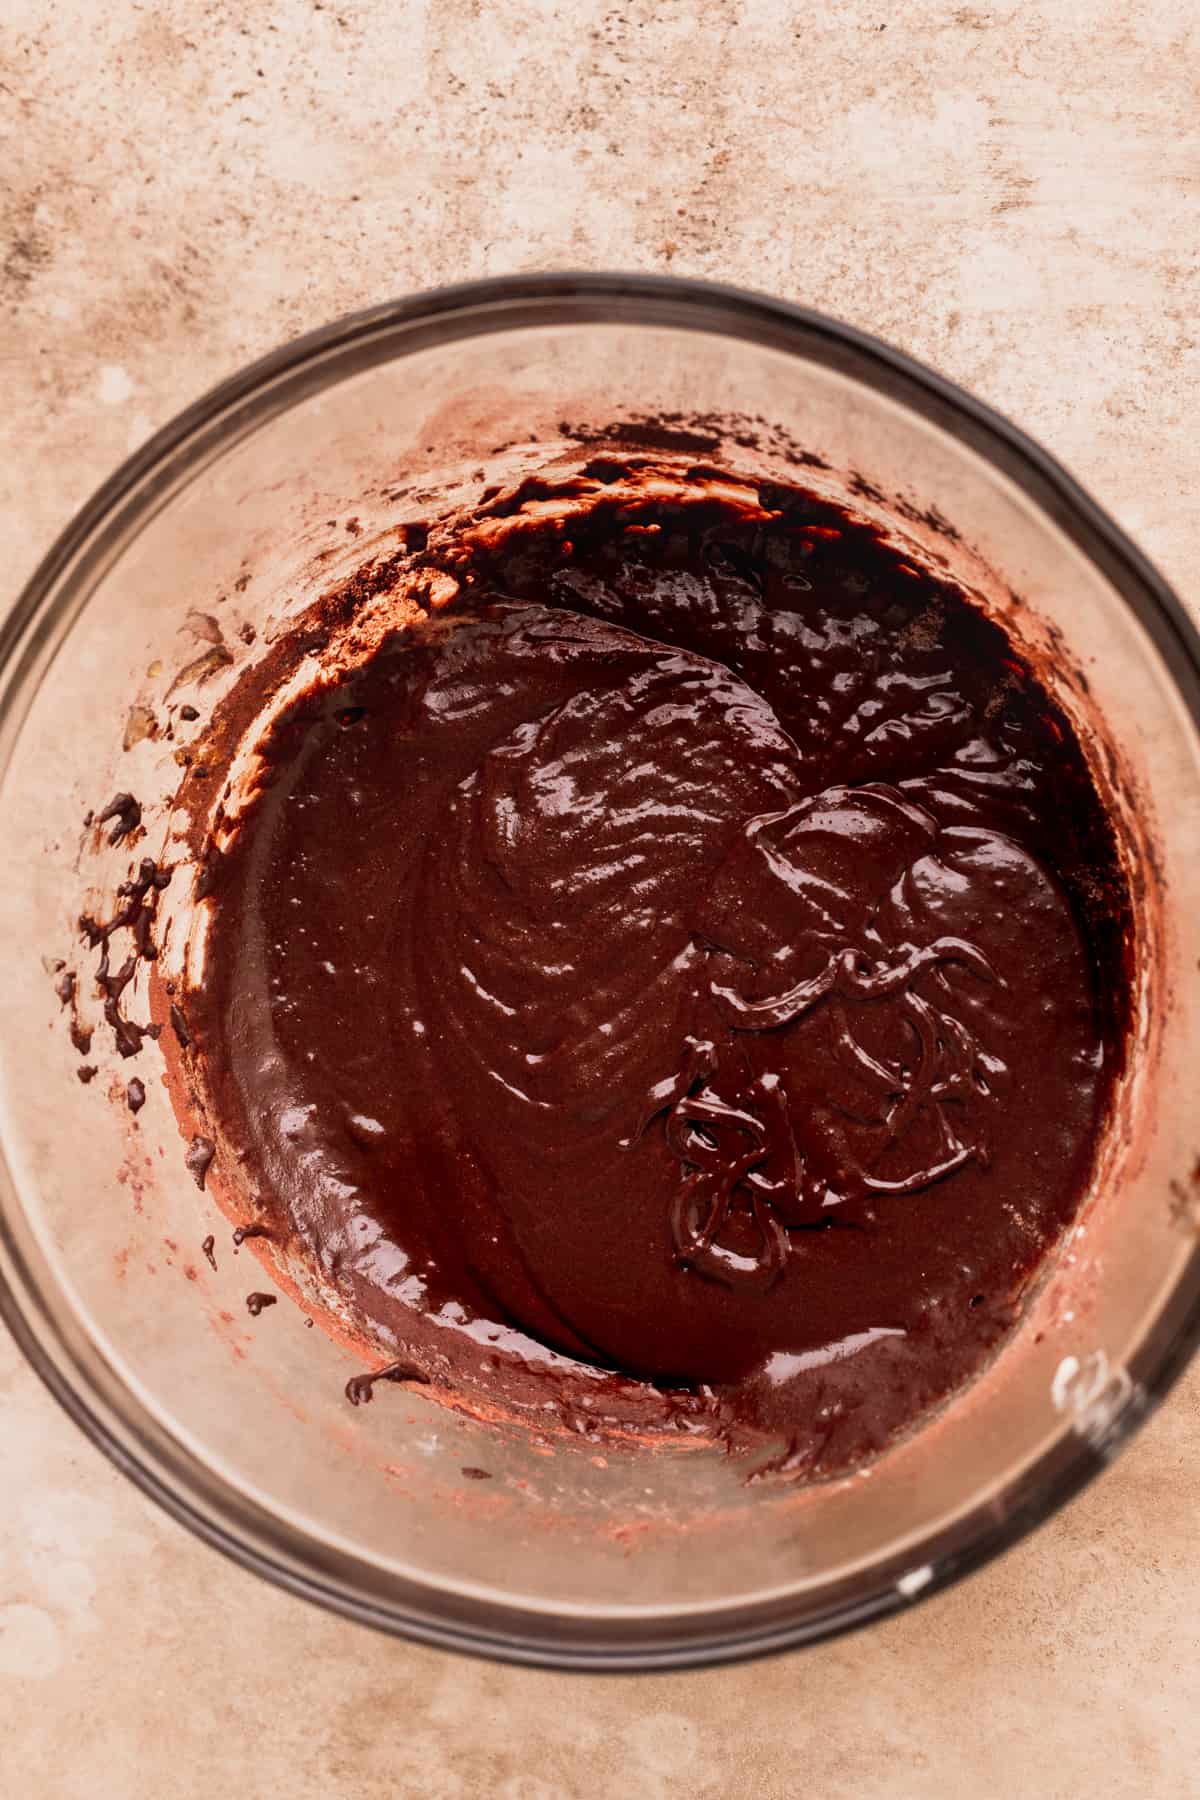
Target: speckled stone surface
1011, 192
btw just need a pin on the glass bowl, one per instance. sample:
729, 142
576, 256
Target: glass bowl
250, 504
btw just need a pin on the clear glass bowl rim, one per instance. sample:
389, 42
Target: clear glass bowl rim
266, 1545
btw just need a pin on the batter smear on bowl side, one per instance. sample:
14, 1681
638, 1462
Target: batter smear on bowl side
680, 976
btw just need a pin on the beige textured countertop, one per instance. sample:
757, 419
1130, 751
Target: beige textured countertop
1012, 197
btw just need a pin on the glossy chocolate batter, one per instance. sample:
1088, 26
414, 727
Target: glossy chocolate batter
696, 951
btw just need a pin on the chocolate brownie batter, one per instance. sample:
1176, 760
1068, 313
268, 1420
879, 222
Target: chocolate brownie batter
689, 963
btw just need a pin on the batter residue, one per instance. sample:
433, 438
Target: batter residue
696, 952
